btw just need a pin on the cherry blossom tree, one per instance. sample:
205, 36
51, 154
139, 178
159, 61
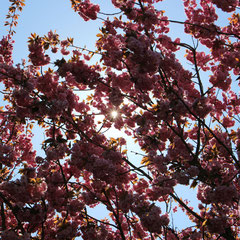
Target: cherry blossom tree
187, 126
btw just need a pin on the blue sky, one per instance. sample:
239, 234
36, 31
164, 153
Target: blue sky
40, 16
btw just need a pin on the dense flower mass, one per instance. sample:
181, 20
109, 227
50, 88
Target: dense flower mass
185, 120
86, 9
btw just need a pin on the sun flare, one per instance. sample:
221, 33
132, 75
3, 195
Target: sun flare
114, 114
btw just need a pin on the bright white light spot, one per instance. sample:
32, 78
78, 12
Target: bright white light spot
114, 114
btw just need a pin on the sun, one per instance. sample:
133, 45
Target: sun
114, 114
